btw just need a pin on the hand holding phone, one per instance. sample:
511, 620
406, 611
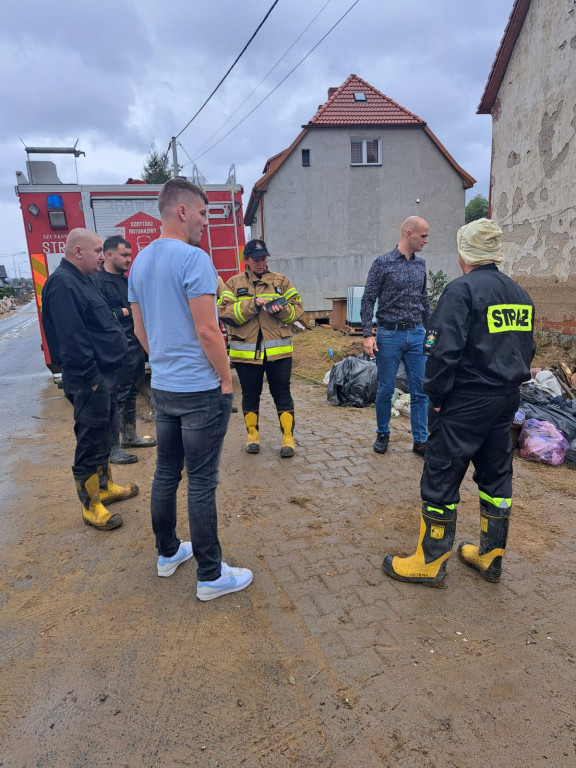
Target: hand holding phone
280, 301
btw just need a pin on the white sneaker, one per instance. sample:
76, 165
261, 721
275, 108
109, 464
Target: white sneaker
231, 580
167, 565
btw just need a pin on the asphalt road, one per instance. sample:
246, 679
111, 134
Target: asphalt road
23, 379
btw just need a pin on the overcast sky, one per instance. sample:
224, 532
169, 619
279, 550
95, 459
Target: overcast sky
119, 74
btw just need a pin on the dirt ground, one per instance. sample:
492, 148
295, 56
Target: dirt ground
322, 661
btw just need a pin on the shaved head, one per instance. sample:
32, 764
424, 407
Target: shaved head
413, 224
84, 250
413, 236
78, 236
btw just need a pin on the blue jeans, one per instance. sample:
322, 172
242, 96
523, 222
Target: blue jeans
395, 347
190, 429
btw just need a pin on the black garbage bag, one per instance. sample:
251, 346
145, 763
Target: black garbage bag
401, 382
532, 394
353, 381
570, 458
562, 418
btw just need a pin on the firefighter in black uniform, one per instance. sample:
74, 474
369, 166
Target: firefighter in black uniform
113, 284
86, 340
480, 345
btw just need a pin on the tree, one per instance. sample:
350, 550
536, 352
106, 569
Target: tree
436, 284
156, 169
477, 208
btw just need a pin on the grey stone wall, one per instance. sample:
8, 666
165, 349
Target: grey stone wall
533, 193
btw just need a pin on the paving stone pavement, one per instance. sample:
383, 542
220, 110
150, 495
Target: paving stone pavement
421, 676
323, 660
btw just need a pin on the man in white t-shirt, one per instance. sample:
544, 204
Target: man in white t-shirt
172, 290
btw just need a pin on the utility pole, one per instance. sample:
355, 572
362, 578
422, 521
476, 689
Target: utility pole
175, 166
13, 257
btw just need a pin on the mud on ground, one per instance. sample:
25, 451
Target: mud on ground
322, 661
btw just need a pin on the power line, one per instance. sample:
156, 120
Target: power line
239, 107
279, 84
231, 68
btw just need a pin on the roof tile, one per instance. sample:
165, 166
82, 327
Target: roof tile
342, 109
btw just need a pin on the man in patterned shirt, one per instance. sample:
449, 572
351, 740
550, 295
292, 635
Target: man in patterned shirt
398, 281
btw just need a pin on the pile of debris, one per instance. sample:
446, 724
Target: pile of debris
546, 418
544, 427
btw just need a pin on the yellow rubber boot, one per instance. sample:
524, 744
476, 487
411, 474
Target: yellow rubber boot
110, 491
494, 522
253, 439
287, 425
94, 513
428, 564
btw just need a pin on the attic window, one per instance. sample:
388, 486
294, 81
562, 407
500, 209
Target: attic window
305, 157
360, 96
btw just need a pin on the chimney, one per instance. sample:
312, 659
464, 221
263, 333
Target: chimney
331, 92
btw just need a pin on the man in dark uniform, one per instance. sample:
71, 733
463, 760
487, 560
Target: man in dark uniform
86, 340
113, 284
480, 344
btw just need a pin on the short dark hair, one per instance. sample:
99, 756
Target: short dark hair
174, 189
113, 242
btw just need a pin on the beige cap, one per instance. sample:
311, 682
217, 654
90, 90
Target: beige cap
479, 242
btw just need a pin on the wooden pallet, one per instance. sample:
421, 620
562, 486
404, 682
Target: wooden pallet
352, 330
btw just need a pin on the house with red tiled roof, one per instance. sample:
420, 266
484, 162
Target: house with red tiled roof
531, 95
334, 200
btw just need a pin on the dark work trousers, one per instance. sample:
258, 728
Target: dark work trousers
94, 419
252, 376
469, 428
130, 377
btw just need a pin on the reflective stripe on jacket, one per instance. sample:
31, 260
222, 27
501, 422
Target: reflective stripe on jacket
254, 333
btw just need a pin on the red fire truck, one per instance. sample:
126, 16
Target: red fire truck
50, 209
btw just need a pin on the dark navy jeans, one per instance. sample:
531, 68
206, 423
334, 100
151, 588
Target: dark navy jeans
407, 347
190, 429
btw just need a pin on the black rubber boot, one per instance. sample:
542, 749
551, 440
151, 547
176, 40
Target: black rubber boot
118, 456
130, 439
428, 564
494, 523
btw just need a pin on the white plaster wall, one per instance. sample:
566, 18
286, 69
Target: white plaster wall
325, 224
533, 193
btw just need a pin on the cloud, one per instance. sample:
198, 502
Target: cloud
117, 75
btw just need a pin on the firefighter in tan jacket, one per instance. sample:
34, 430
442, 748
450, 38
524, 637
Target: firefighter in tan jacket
258, 306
